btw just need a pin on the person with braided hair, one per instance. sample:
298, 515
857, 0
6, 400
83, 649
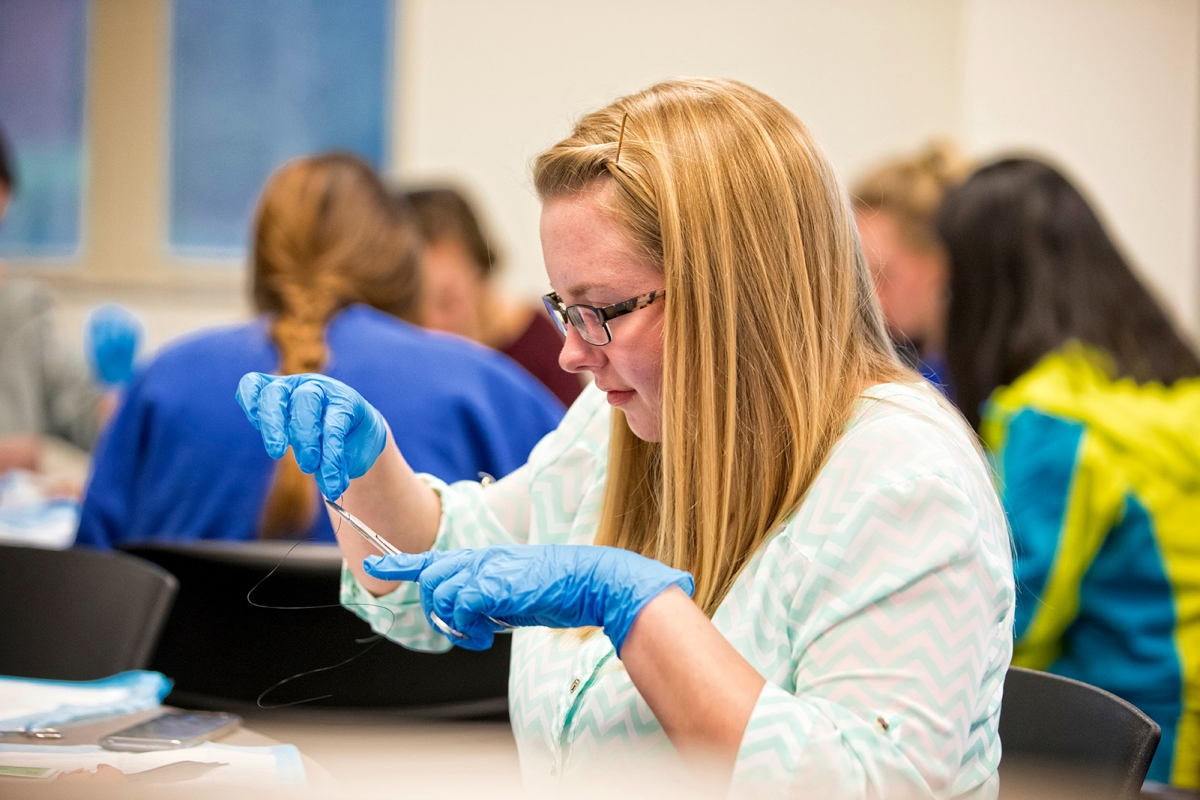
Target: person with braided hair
335, 265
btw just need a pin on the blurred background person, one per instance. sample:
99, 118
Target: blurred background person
47, 388
335, 270
460, 294
894, 208
1088, 399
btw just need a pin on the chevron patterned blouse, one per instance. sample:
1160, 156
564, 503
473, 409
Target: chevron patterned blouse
881, 615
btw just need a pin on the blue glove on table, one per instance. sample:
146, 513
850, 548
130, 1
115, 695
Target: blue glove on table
334, 432
555, 585
111, 340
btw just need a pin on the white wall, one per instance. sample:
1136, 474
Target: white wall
1110, 89
485, 86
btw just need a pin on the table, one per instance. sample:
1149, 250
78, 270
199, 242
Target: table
90, 731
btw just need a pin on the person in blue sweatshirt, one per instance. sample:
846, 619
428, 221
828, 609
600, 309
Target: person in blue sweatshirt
335, 272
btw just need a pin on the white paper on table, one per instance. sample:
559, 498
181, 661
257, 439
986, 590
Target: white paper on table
29, 517
240, 766
19, 699
29, 702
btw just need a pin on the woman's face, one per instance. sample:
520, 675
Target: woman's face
452, 289
909, 281
592, 261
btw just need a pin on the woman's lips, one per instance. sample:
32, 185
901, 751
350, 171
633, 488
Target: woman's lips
620, 398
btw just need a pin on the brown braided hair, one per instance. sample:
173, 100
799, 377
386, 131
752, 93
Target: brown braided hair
327, 234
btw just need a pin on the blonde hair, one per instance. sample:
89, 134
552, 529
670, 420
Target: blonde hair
327, 234
911, 189
771, 328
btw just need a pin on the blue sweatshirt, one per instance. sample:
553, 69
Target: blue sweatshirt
180, 461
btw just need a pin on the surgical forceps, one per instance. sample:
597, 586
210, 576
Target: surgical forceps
387, 548
34, 733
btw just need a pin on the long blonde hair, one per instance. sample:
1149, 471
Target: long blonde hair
327, 234
771, 327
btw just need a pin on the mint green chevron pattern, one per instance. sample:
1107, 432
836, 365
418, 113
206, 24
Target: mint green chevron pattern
880, 614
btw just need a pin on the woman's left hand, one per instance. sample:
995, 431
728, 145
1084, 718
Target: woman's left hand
558, 586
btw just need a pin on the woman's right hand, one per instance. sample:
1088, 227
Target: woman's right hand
335, 434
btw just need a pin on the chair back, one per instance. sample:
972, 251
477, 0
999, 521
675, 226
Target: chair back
79, 614
222, 652
1049, 720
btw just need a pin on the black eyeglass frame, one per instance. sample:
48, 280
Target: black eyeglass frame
573, 314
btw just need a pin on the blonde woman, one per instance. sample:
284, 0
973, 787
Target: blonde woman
791, 548
894, 206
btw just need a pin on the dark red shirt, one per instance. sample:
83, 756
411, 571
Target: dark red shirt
537, 351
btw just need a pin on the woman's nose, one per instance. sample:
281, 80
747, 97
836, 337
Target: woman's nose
577, 355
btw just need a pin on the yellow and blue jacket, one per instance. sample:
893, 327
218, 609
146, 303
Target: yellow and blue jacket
1101, 482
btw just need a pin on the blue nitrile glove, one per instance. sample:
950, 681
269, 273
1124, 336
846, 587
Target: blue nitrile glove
555, 585
111, 340
332, 430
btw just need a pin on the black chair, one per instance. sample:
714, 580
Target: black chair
79, 614
222, 652
1047, 721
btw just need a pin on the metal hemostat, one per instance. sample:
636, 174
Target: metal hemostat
389, 549
34, 733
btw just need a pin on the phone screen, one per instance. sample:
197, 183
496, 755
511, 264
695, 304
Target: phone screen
169, 730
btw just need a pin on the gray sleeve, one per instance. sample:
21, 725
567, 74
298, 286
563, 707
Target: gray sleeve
71, 402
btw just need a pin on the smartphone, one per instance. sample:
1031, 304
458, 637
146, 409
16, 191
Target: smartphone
171, 730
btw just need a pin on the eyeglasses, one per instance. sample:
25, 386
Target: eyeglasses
592, 322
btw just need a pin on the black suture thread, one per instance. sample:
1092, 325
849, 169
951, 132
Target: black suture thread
377, 637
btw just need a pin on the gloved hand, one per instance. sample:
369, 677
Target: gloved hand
111, 340
556, 585
332, 430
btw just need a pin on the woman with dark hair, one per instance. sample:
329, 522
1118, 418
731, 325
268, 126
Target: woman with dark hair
335, 273
1086, 396
459, 294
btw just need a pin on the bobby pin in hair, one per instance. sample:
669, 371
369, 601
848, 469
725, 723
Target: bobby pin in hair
621, 138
